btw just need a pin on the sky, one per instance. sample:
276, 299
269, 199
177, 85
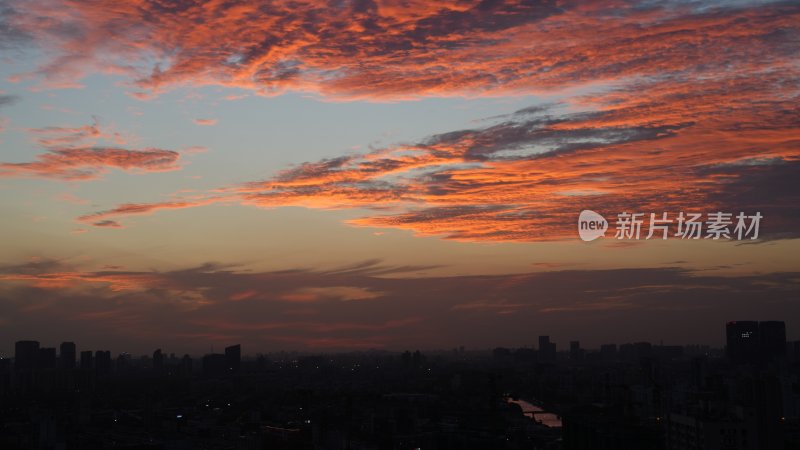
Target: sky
353, 175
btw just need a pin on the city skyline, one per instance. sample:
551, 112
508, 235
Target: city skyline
354, 175
744, 341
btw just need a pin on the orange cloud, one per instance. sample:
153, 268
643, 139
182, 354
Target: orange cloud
672, 107
73, 153
88, 163
143, 208
391, 50
651, 147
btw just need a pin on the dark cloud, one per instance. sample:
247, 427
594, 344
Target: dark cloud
302, 309
7, 100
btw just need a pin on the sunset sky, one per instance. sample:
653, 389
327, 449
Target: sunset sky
357, 174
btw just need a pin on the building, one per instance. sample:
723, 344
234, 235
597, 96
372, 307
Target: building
575, 351
742, 341
102, 361
26, 355
233, 358
772, 336
547, 349
67, 355
731, 432
158, 360
87, 361
215, 365
47, 358
751, 342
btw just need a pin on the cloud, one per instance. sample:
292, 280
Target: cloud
107, 224
143, 208
662, 103
207, 122
7, 100
390, 50
76, 153
88, 163
657, 146
196, 306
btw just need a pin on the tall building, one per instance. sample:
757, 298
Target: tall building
67, 355
233, 358
87, 360
743, 341
547, 349
47, 358
756, 342
158, 360
26, 355
575, 351
772, 336
102, 361
608, 352
186, 366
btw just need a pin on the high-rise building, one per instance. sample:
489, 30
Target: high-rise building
102, 361
233, 358
67, 355
26, 355
547, 349
158, 360
743, 341
755, 342
772, 336
47, 358
87, 360
575, 351
608, 352
186, 366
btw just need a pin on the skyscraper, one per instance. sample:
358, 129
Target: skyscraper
158, 360
102, 361
547, 349
575, 351
233, 358
772, 336
47, 358
742, 340
26, 355
87, 360
67, 355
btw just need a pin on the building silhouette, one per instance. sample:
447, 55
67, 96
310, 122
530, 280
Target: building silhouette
47, 358
87, 361
751, 342
772, 336
547, 349
158, 360
233, 358
26, 355
215, 365
66, 356
102, 361
742, 341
